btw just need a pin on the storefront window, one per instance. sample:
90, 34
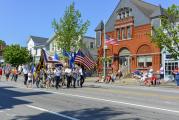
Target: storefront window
170, 66
144, 61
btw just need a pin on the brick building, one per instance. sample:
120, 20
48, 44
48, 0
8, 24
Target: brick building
130, 25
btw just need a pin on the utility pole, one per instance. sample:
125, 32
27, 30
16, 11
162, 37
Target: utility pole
104, 53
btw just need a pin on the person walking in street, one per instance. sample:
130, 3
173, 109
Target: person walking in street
68, 73
82, 77
57, 73
15, 74
7, 71
12, 74
25, 72
75, 76
29, 80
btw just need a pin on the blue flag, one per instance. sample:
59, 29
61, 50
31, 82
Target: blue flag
56, 56
72, 59
65, 53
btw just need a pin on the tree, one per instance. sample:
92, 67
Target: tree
70, 29
2, 42
167, 35
16, 55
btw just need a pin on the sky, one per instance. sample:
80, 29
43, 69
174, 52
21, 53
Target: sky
21, 18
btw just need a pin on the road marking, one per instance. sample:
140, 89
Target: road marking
105, 100
55, 113
113, 101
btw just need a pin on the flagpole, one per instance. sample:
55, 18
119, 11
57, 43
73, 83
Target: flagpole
104, 53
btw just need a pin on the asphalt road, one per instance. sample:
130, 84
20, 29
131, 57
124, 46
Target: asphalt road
89, 103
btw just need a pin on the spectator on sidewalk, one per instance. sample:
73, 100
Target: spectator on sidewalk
176, 70
119, 74
1, 72
161, 72
177, 79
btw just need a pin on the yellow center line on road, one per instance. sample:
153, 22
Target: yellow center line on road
137, 93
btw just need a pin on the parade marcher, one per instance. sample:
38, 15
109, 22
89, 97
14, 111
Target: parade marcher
48, 79
7, 71
78, 77
12, 73
20, 69
63, 77
82, 77
15, 74
75, 76
68, 76
25, 72
57, 73
29, 80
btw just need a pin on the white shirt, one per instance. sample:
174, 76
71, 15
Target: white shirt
80, 71
57, 72
67, 70
29, 76
161, 70
25, 70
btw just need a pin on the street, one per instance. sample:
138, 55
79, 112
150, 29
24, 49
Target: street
92, 102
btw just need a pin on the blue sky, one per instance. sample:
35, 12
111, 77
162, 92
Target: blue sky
21, 18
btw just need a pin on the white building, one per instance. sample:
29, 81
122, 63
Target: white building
88, 42
169, 63
34, 45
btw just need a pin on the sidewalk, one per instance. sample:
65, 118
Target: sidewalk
127, 82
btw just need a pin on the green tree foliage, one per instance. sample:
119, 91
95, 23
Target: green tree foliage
16, 55
2, 42
70, 29
167, 35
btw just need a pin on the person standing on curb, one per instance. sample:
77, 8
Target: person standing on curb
177, 79
1, 73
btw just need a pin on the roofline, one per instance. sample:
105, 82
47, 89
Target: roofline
112, 13
30, 36
149, 3
89, 37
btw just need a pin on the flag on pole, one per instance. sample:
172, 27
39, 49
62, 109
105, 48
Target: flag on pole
84, 60
48, 58
56, 56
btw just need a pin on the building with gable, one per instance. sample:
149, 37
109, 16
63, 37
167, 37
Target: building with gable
35, 44
130, 25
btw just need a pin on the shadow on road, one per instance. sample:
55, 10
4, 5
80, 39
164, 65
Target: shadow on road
104, 113
8, 97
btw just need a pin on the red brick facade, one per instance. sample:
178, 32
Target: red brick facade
138, 45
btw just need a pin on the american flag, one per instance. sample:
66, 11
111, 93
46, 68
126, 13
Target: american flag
84, 60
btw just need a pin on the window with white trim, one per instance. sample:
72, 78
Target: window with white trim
123, 34
119, 34
129, 32
144, 61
